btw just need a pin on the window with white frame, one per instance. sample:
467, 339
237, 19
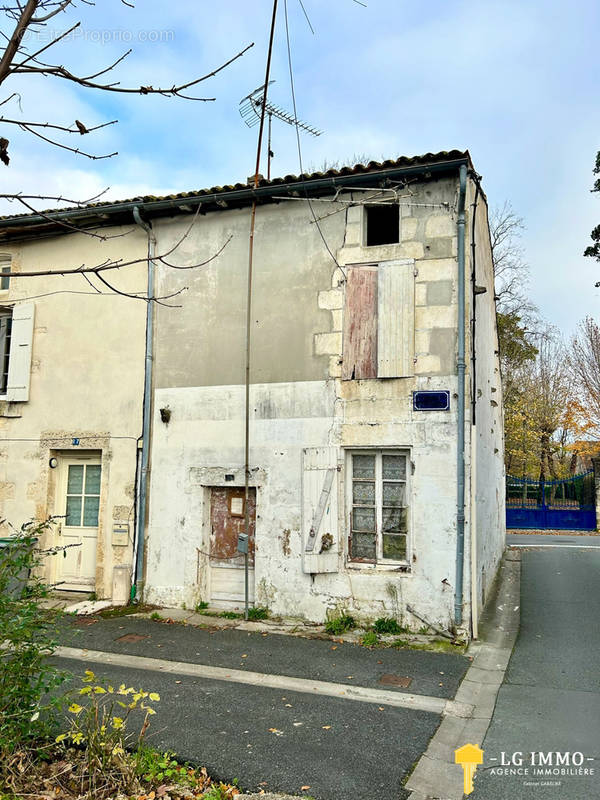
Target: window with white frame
378, 490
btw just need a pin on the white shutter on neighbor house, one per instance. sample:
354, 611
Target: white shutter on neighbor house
19, 362
320, 509
395, 320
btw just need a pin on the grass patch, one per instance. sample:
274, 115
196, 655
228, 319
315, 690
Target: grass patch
370, 639
388, 625
258, 612
340, 624
155, 615
201, 606
124, 611
230, 615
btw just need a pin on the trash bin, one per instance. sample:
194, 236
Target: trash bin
18, 582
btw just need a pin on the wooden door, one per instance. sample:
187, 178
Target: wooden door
227, 521
79, 508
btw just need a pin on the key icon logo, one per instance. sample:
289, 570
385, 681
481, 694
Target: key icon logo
468, 756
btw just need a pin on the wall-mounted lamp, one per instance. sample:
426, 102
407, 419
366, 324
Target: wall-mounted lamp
53, 463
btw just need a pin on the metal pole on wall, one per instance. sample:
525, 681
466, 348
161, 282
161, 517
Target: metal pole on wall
248, 318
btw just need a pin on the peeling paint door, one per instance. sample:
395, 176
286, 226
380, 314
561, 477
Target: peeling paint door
227, 521
80, 482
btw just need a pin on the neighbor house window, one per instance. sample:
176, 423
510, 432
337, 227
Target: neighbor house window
5, 337
382, 224
5, 262
378, 487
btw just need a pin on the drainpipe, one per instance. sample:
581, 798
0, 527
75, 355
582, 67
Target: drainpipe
475, 290
460, 439
143, 492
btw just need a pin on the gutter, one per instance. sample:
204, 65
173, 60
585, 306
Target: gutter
460, 439
146, 419
184, 205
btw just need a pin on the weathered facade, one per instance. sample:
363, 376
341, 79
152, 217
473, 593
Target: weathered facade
375, 480
71, 400
354, 489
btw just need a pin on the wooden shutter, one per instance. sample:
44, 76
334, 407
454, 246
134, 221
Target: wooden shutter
320, 505
19, 363
359, 356
396, 320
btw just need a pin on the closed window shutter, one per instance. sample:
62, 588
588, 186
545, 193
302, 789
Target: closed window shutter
320, 504
19, 365
359, 357
396, 320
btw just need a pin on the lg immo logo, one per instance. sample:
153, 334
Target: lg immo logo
469, 756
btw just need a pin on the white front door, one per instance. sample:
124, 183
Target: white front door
80, 504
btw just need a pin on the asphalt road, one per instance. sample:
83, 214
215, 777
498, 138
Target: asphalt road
550, 699
275, 739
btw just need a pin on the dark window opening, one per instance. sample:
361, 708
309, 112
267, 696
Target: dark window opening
383, 224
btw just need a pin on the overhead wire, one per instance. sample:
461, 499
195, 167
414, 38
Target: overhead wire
299, 146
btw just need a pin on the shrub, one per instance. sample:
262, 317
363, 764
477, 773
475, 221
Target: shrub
388, 625
99, 722
338, 625
30, 634
202, 605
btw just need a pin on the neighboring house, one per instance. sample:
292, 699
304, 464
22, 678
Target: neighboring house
71, 394
356, 400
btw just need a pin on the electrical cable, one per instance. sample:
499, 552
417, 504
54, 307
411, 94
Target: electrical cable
291, 71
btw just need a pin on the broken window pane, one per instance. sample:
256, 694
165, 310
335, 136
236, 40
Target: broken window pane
363, 519
394, 467
363, 466
394, 547
363, 493
394, 520
75, 479
363, 545
73, 518
393, 494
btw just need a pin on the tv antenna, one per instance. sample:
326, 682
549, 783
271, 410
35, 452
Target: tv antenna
251, 109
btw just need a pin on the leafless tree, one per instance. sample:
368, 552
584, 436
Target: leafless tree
22, 17
584, 361
511, 270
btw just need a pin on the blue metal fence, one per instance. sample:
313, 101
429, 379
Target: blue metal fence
567, 504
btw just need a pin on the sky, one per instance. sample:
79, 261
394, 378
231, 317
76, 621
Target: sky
514, 82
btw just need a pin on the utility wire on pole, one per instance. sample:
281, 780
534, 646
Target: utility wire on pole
249, 314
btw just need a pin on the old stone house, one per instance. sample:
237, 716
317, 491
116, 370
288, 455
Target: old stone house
374, 418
